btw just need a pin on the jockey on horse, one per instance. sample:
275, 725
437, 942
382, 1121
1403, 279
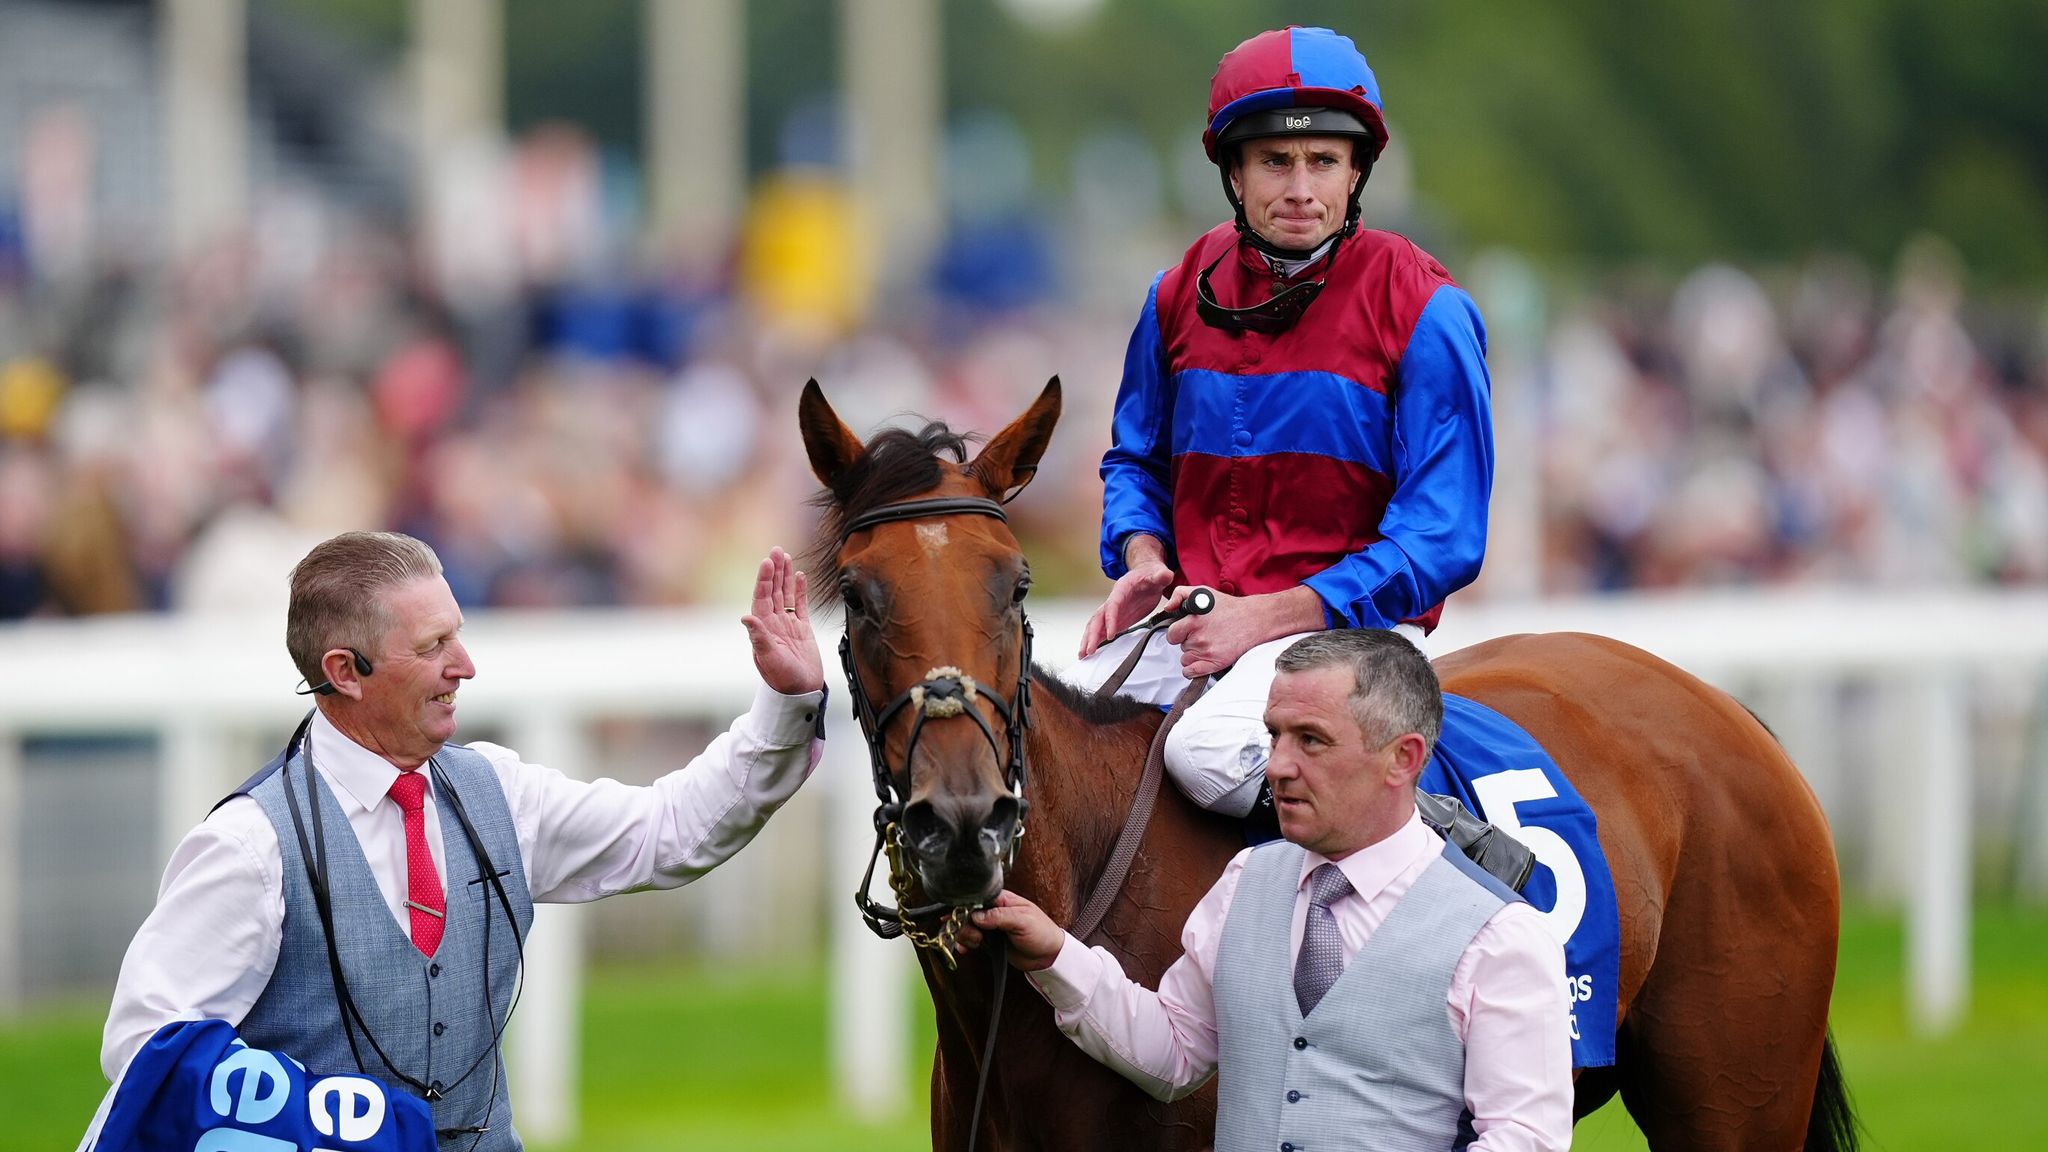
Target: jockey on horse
1303, 424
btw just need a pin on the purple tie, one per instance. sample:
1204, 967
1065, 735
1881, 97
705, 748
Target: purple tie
1322, 948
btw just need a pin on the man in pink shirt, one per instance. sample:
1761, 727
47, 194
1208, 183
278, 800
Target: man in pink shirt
1354, 984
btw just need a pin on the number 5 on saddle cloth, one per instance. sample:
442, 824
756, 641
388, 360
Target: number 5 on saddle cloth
1485, 762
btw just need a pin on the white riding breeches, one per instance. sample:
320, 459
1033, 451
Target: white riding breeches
1217, 753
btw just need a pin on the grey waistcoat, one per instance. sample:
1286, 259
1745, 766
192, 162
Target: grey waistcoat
427, 1013
1376, 1065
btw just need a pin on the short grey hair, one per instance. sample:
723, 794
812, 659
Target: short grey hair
337, 593
1394, 691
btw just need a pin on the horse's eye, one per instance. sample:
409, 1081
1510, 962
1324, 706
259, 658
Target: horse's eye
850, 595
1023, 590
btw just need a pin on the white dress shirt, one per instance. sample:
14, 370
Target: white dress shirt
1507, 998
208, 948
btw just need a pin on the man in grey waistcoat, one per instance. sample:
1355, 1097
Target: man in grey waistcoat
1354, 985
361, 903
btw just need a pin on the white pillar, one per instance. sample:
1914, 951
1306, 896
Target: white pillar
696, 125
543, 1049
11, 927
204, 46
893, 84
2031, 868
458, 77
191, 760
1938, 915
870, 976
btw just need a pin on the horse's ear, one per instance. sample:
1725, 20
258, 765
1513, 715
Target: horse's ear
1011, 459
832, 446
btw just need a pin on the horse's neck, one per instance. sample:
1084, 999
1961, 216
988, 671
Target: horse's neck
1084, 775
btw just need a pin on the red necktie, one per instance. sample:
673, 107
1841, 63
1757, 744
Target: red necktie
422, 883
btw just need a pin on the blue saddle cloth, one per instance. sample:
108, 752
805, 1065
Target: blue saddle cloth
1498, 771
195, 1084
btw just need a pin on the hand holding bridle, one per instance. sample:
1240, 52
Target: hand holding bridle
1035, 941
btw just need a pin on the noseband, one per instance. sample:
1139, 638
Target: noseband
945, 692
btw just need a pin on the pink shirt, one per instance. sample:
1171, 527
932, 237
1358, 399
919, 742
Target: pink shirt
1507, 1000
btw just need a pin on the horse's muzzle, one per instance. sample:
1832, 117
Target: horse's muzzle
960, 845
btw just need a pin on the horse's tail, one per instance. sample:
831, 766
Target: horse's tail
1832, 1126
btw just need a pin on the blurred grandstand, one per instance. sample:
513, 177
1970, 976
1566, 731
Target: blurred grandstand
576, 416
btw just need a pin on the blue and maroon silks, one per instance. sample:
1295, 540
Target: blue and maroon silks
1352, 453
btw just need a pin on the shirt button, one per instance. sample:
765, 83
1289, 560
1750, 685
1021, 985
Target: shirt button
439, 1028
1293, 1097
1300, 1042
1243, 439
434, 969
1229, 586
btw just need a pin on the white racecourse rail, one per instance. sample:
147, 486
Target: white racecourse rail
200, 681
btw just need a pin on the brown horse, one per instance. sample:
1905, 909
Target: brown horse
1722, 861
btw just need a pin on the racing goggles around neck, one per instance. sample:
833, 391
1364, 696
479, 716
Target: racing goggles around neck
1276, 314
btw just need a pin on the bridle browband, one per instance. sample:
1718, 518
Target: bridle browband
945, 692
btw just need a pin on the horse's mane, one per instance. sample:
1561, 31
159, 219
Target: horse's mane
1089, 707
897, 465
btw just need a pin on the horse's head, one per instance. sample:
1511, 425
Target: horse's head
918, 553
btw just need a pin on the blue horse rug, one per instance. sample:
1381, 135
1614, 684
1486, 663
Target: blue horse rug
1488, 762
196, 1085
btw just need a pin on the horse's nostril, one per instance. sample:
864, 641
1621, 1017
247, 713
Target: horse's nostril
997, 830
924, 831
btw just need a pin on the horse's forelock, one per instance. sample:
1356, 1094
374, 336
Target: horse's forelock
897, 465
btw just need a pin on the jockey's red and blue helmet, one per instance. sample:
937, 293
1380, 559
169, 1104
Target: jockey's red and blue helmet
1294, 81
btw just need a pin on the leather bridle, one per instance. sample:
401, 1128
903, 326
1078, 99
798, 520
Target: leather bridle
945, 692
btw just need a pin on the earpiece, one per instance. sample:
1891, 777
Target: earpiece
326, 687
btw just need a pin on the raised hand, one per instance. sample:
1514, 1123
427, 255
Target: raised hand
779, 628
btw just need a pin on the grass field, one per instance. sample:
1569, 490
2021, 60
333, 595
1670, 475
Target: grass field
734, 1061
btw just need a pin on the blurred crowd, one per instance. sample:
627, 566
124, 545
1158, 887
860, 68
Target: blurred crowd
175, 441
1824, 426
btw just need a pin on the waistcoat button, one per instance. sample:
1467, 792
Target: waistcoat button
1300, 1042
1285, 1147
437, 1086
439, 1028
434, 969
1293, 1097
